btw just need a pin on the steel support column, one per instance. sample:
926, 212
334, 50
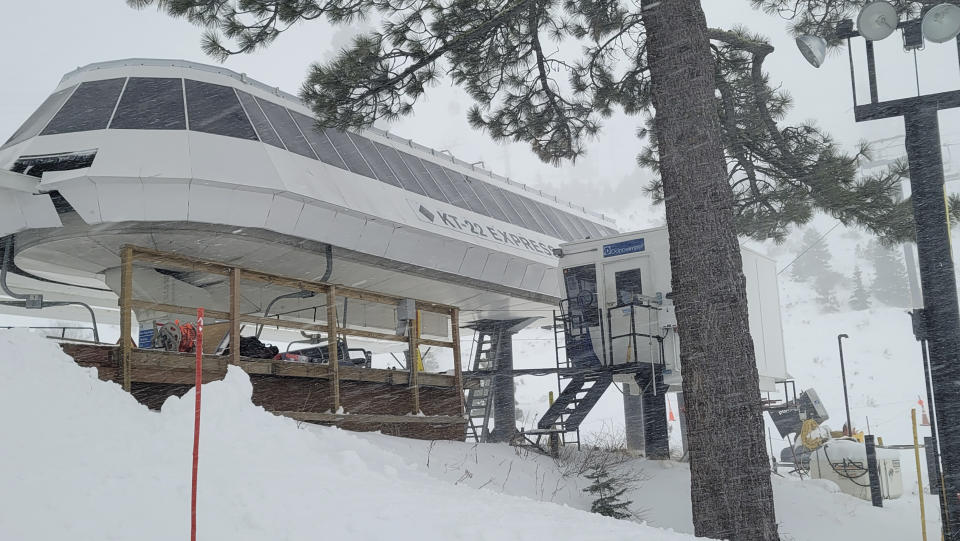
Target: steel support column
504, 391
655, 428
939, 293
633, 419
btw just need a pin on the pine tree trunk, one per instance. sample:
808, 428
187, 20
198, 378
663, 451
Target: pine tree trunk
730, 479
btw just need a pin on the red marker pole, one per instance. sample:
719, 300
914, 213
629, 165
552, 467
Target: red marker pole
196, 426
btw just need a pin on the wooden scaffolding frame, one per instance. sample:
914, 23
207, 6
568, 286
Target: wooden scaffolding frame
150, 365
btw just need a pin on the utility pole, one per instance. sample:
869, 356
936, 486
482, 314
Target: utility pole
843, 375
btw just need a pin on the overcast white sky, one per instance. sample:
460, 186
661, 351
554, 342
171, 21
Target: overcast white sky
42, 41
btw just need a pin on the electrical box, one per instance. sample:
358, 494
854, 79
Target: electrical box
407, 310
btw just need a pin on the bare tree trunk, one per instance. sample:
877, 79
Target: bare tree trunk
730, 478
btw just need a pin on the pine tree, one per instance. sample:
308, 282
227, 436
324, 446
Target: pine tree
607, 502
890, 283
812, 258
813, 265
823, 284
860, 299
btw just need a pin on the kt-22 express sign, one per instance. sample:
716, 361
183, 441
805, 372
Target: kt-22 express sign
477, 229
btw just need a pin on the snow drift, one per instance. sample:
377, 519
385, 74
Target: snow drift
81, 459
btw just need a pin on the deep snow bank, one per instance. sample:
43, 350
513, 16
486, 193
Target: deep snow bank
80, 459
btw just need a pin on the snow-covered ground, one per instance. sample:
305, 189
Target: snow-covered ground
82, 460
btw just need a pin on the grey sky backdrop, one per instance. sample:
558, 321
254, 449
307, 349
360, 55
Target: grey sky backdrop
42, 41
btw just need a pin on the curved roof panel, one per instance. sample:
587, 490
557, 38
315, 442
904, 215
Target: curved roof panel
95, 98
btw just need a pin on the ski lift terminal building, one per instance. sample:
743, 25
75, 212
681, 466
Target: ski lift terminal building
206, 165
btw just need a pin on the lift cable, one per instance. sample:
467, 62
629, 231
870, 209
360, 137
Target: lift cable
805, 250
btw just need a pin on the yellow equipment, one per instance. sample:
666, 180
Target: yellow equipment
810, 441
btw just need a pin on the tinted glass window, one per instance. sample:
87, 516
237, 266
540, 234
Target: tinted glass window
593, 229
41, 116
567, 221
483, 192
400, 169
517, 201
513, 216
374, 159
581, 286
89, 108
536, 220
552, 215
321, 145
36, 166
348, 151
266, 132
216, 109
426, 181
286, 129
551, 219
466, 189
536, 208
151, 103
577, 224
628, 285
450, 192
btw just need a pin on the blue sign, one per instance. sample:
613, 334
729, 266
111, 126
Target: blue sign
623, 248
146, 339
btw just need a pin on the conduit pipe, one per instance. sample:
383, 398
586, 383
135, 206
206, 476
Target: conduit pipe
22, 299
302, 294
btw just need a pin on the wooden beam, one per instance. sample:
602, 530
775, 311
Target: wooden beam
126, 314
192, 263
155, 366
299, 285
435, 307
176, 309
272, 322
437, 343
413, 326
371, 418
457, 365
175, 362
333, 348
179, 261
235, 315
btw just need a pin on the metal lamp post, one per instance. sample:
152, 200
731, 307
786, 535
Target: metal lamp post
938, 24
843, 375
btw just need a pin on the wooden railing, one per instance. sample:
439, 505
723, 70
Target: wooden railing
135, 254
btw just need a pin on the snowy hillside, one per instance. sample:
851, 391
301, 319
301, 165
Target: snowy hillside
83, 461
87, 462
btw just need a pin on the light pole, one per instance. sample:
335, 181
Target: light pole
938, 24
843, 376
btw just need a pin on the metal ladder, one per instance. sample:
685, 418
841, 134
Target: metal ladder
560, 322
479, 401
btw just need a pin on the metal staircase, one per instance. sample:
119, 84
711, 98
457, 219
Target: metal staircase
479, 400
582, 392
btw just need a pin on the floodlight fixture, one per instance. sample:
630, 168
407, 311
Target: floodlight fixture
941, 23
877, 20
813, 48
